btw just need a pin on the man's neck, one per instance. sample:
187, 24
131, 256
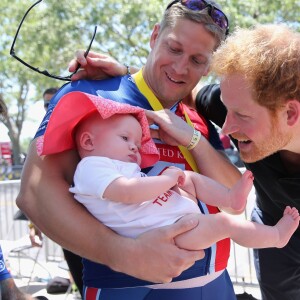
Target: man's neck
165, 103
290, 160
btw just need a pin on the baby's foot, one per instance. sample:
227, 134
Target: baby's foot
287, 225
240, 191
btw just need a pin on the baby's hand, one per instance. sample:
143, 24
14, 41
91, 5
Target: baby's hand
176, 173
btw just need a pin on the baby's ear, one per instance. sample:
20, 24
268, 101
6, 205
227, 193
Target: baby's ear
86, 141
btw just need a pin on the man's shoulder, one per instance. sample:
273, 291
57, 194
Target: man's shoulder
94, 87
90, 86
272, 163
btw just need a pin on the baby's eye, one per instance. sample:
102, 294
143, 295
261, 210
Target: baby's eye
125, 138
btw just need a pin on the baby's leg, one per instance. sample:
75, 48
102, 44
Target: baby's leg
256, 235
212, 228
287, 225
240, 191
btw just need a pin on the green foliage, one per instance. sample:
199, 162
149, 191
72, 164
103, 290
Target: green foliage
55, 29
251, 12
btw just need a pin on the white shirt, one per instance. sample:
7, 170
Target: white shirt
92, 177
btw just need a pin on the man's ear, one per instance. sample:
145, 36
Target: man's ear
86, 141
293, 112
154, 35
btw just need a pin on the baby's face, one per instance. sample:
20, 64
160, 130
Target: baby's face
120, 138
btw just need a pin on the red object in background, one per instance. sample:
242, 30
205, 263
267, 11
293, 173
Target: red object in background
225, 139
6, 152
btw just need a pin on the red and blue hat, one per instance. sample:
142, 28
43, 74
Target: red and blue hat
73, 107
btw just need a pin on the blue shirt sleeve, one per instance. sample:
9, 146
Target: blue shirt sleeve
4, 274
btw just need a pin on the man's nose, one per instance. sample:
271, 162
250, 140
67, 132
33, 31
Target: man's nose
229, 126
181, 65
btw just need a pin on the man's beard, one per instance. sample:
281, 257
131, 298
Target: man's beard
276, 141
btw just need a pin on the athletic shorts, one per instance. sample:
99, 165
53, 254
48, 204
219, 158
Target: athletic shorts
219, 289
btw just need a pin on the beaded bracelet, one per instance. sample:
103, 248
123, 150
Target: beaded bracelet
194, 140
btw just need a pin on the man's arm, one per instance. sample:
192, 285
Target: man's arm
213, 164
174, 131
9, 291
97, 66
45, 199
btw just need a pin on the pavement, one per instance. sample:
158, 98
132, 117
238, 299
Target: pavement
32, 278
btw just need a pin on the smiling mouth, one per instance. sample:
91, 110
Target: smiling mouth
241, 140
173, 80
244, 141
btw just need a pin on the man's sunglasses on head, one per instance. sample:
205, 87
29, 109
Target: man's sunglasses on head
44, 72
215, 13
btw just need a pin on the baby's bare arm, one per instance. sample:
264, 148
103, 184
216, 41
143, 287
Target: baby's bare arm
213, 193
138, 190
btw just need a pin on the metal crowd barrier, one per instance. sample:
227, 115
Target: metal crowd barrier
11, 229
241, 268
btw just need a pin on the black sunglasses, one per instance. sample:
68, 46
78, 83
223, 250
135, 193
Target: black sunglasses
215, 13
45, 72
